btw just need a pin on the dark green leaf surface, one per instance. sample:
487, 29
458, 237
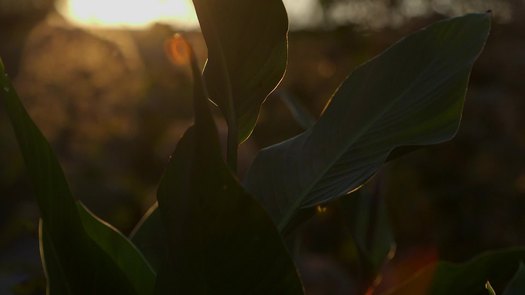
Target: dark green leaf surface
221, 241
445, 278
247, 54
517, 284
121, 251
82, 255
412, 94
149, 236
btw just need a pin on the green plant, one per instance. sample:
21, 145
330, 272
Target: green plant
210, 234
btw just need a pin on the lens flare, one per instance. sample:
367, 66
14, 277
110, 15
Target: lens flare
178, 50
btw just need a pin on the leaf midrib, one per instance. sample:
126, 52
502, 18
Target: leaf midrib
297, 204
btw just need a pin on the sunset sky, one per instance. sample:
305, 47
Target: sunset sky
142, 13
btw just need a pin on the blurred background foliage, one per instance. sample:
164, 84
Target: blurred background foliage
113, 107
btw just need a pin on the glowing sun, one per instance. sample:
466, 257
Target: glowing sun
129, 13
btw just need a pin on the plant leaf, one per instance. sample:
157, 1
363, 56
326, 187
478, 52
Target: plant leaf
411, 94
444, 278
517, 284
149, 236
221, 241
298, 110
81, 254
366, 217
247, 54
489, 288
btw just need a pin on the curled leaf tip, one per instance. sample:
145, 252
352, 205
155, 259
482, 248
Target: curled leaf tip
489, 288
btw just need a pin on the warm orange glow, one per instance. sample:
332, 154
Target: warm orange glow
178, 50
129, 13
321, 209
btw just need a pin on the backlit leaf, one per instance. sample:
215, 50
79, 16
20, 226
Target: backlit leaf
221, 241
411, 94
247, 54
81, 254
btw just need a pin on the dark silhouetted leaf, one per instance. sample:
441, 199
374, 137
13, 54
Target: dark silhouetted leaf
412, 94
366, 217
149, 236
81, 254
445, 278
247, 54
221, 241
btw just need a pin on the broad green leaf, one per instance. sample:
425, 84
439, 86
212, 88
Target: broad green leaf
517, 284
81, 254
411, 94
444, 278
221, 241
247, 54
